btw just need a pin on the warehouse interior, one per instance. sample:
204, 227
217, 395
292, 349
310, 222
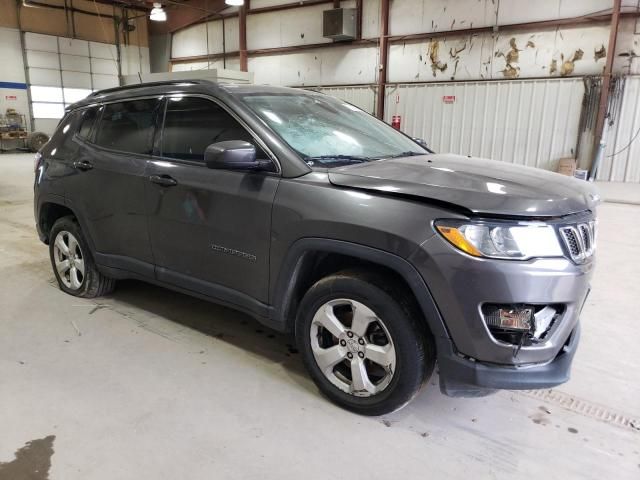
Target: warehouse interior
150, 383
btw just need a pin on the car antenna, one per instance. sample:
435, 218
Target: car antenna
140, 77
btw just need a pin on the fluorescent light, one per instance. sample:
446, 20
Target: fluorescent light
157, 13
234, 3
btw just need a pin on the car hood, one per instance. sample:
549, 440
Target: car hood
479, 185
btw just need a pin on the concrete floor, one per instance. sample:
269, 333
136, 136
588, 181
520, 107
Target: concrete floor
150, 384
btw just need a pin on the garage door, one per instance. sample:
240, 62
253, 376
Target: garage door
62, 71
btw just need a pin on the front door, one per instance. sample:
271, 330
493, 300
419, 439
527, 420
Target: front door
210, 229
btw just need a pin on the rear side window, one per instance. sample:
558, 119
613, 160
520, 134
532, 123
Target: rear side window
87, 122
64, 147
128, 126
191, 124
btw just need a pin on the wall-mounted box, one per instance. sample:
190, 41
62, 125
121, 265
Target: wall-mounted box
339, 24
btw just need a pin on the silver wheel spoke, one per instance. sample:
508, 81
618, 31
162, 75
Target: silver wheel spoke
61, 245
327, 358
73, 244
360, 382
62, 266
79, 264
327, 318
362, 317
382, 355
73, 275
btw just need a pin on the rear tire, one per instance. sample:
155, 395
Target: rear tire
364, 346
72, 262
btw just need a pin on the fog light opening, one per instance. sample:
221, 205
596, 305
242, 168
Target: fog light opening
520, 325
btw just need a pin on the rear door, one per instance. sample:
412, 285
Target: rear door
210, 229
109, 192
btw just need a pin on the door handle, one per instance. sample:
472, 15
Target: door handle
163, 180
84, 165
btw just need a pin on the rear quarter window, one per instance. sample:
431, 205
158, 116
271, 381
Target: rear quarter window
87, 122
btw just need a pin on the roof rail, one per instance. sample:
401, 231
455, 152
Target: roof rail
144, 85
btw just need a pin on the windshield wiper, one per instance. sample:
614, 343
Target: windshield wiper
406, 154
352, 158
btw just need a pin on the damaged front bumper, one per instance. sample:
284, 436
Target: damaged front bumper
464, 377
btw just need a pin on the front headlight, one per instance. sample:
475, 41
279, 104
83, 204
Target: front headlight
514, 241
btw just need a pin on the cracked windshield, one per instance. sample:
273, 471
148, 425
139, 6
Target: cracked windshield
327, 132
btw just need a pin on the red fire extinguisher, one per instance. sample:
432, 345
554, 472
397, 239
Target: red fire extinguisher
395, 121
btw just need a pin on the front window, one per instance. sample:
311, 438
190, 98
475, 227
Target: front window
327, 132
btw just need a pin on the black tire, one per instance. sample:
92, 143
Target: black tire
37, 140
413, 343
93, 284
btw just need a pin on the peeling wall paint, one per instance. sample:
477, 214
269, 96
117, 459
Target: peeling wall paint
503, 54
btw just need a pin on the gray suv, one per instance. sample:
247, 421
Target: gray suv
380, 256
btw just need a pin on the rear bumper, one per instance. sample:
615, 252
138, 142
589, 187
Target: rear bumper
462, 377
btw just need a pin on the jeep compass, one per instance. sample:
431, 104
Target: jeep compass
382, 258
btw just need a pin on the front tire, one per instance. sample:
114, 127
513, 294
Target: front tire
365, 348
72, 262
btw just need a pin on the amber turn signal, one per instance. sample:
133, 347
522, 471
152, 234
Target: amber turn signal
458, 240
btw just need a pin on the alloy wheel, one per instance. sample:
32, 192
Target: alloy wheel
69, 260
352, 347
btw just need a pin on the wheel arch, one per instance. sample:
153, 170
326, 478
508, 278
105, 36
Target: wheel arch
51, 209
310, 259
48, 213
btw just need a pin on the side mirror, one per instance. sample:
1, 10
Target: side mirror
420, 142
233, 155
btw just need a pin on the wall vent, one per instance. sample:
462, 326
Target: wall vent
339, 24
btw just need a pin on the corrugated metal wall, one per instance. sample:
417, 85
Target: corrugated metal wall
528, 122
622, 158
363, 97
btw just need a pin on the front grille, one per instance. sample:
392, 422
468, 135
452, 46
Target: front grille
580, 240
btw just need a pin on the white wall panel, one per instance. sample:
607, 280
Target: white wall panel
103, 50
42, 59
529, 122
418, 16
520, 11
331, 66
231, 35
11, 56
42, 76
215, 36
76, 79
286, 28
37, 41
622, 157
73, 46
362, 97
104, 81
108, 67
371, 18
189, 42
75, 63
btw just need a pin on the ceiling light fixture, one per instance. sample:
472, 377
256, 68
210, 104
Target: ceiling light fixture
234, 3
157, 13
